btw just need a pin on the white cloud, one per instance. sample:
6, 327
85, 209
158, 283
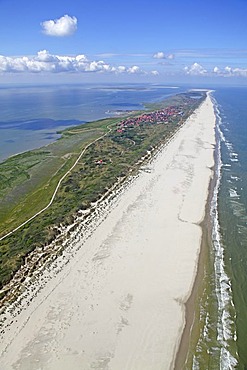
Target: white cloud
161, 55
195, 70
155, 73
228, 69
134, 69
64, 26
44, 56
240, 72
230, 72
216, 70
170, 56
219, 72
121, 69
46, 62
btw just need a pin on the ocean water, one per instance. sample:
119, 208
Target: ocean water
30, 116
232, 105
222, 342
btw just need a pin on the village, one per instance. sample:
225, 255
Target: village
159, 116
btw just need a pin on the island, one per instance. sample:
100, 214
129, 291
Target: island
101, 236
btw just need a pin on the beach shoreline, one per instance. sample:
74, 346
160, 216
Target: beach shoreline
118, 277
191, 306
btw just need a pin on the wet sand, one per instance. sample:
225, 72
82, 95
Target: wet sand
120, 301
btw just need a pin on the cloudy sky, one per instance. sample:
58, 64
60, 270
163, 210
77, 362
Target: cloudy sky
132, 40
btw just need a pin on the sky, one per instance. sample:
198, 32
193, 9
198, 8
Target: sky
166, 41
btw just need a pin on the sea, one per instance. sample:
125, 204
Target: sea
222, 340
31, 116
232, 219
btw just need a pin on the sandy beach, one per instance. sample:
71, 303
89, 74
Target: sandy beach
118, 304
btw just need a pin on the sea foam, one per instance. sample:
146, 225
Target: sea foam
226, 330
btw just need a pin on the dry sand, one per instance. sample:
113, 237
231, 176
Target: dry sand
119, 303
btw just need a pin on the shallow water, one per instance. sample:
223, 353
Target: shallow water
30, 116
222, 340
233, 205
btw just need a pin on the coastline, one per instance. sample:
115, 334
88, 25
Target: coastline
131, 271
192, 327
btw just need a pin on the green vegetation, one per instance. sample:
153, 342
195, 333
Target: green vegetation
28, 180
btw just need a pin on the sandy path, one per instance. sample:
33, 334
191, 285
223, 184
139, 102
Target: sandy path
118, 304
58, 186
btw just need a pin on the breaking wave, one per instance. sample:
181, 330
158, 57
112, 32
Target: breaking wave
226, 330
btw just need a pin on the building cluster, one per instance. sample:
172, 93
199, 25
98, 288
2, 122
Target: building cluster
159, 116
